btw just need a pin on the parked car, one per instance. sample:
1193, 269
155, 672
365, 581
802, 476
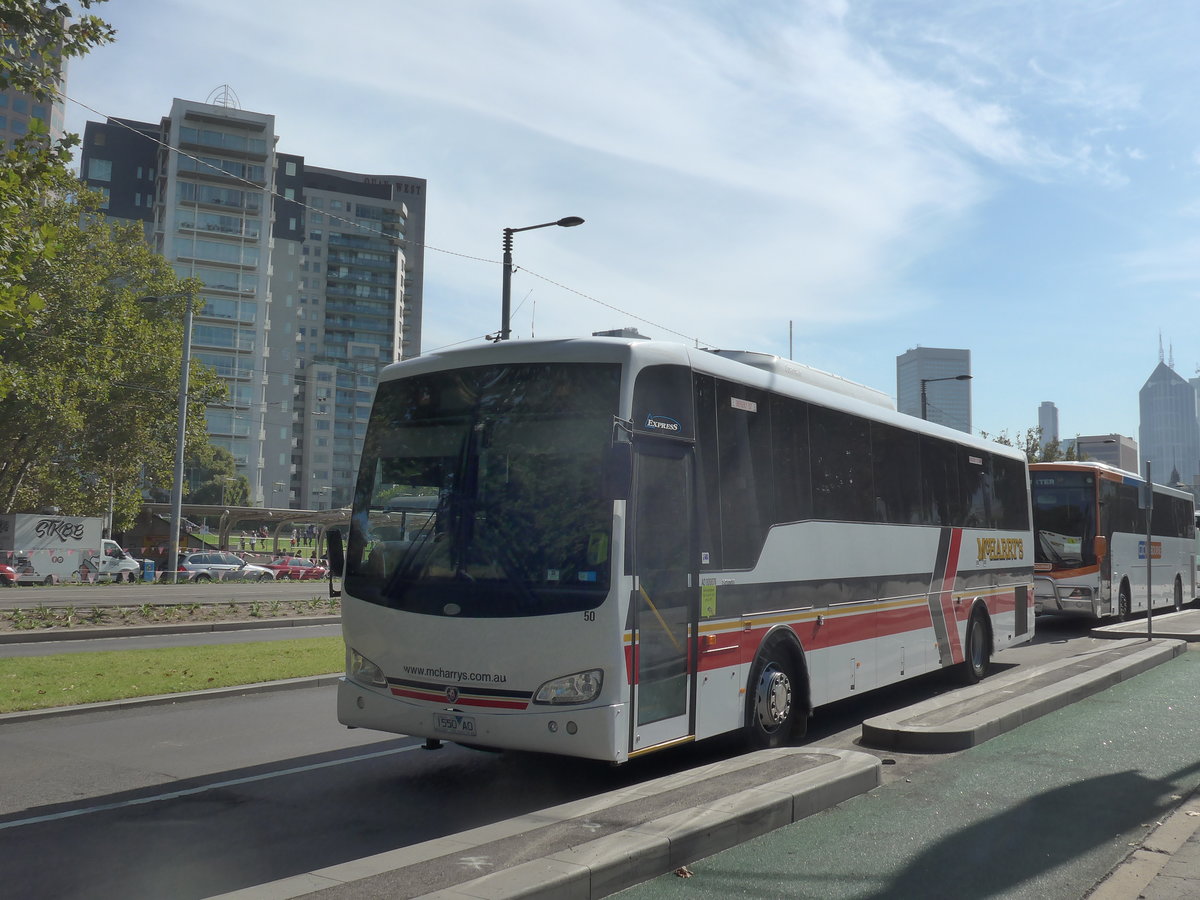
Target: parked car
213, 565
296, 568
8, 575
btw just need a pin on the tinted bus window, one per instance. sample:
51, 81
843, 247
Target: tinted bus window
1119, 509
975, 478
841, 470
747, 485
896, 457
789, 433
1010, 508
939, 483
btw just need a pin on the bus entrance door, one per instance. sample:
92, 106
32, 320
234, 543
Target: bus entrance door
664, 603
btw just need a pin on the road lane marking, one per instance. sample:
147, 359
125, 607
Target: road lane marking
175, 795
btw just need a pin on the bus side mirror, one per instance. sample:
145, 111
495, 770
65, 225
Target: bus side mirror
337, 554
1100, 547
618, 471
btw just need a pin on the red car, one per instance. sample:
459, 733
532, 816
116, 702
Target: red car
8, 575
297, 568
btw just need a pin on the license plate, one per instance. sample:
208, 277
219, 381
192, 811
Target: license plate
454, 724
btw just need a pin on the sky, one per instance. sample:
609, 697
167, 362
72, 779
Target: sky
835, 181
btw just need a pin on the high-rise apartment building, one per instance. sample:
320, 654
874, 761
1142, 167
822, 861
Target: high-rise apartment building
930, 377
1168, 431
312, 283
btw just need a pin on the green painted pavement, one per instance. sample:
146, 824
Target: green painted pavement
1044, 811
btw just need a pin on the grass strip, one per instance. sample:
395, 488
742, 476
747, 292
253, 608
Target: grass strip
68, 679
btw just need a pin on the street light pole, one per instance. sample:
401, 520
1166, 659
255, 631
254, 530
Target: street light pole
506, 283
925, 395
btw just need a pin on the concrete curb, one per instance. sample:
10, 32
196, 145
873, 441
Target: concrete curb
631, 855
1163, 625
971, 715
85, 633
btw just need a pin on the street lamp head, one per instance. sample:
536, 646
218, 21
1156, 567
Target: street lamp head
569, 221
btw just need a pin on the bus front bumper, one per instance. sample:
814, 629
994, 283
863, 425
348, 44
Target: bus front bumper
587, 732
1064, 600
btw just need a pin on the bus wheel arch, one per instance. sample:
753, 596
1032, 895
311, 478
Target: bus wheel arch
778, 698
978, 645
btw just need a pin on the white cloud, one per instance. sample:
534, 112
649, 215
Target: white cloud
780, 166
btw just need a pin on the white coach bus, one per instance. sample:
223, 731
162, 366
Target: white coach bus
602, 547
1090, 533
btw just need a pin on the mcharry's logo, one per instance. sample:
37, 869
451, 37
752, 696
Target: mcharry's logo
661, 423
1001, 548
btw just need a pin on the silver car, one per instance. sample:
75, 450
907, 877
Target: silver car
215, 565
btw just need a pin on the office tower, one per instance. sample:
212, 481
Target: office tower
935, 372
1168, 432
312, 283
1048, 422
1114, 449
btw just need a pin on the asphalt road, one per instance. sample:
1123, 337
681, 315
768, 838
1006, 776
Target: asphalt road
204, 797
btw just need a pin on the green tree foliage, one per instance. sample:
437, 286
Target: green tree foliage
36, 36
212, 477
1030, 442
92, 405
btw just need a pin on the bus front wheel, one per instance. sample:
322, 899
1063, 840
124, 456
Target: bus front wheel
1178, 593
775, 715
978, 649
1124, 603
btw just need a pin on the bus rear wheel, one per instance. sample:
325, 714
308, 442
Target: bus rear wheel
774, 716
1178, 593
977, 651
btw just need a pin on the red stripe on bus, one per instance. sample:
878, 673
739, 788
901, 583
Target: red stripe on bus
946, 598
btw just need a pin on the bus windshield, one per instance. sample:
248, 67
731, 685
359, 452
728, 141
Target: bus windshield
1064, 518
480, 494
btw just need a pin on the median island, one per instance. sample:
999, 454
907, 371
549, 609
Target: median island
69, 679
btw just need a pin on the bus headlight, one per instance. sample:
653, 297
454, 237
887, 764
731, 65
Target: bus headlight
582, 687
362, 669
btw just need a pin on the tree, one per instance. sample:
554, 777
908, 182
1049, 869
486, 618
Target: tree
213, 478
1030, 442
92, 405
36, 36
